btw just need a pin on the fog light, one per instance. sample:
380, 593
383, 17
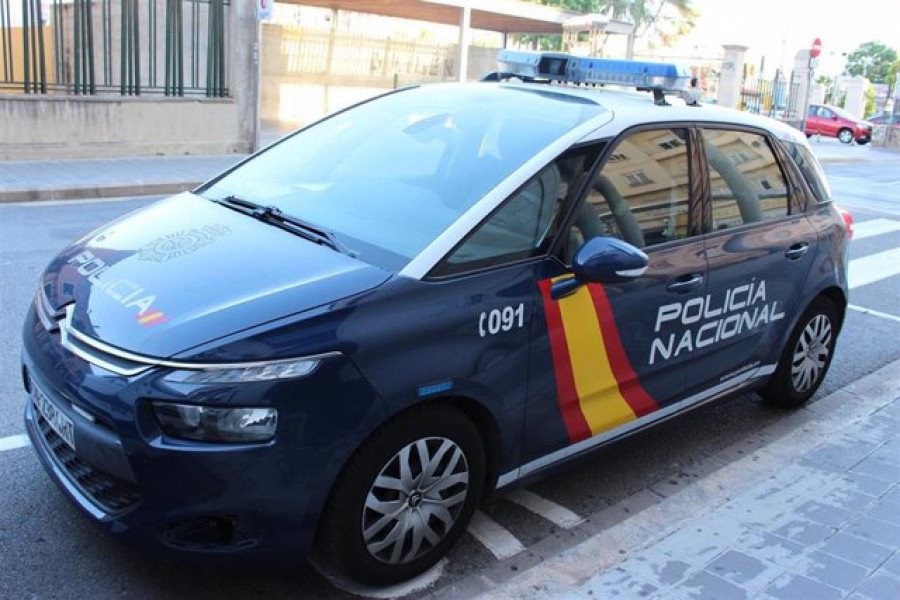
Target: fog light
208, 424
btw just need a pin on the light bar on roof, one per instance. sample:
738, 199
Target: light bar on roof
600, 71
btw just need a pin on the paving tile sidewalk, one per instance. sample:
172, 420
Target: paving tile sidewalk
107, 177
814, 513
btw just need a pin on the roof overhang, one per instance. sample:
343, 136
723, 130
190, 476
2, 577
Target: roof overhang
505, 16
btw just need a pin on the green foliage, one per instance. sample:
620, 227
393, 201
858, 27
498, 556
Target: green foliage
647, 16
874, 61
870, 100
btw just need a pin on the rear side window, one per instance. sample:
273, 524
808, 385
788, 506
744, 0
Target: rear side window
746, 181
811, 169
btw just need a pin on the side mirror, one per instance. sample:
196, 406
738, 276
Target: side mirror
602, 260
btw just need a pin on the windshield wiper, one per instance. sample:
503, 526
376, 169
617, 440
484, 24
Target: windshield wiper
274, 216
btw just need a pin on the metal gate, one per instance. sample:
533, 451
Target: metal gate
124, 47
776, 97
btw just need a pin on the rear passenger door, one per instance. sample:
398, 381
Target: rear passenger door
758, 247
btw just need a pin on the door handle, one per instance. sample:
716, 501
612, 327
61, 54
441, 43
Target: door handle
686, 283
796, 251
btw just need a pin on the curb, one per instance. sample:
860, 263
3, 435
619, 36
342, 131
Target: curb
556, 566
83, 192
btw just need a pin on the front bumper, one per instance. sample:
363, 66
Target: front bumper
197, 498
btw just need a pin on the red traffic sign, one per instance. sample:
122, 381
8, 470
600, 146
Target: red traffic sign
816, 48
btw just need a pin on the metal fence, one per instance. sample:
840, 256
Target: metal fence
774, 98
124, 47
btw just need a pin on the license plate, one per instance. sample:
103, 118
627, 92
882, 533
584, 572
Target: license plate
60, 423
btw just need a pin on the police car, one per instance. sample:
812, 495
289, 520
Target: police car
346, 342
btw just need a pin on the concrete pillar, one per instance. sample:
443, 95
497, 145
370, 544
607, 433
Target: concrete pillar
465, 25
802, 78
816, 93
732, 76
855, 88
245, 76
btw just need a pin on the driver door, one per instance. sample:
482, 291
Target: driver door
609, 354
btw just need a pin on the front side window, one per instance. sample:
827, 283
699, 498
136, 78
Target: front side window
641, 194
746, 181
526, 224
390, 175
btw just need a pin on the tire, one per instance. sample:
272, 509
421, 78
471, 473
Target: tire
862, 142
806, 357
370, 500
845, 136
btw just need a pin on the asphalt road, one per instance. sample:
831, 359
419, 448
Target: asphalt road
49, 550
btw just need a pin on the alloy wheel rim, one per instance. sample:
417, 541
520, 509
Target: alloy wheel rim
846, 136
415, 500
811, 353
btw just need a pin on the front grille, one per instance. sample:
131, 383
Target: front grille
106, 491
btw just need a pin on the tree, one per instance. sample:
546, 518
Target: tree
664, 20
874, 61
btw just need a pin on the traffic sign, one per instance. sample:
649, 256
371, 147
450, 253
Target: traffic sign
816, 48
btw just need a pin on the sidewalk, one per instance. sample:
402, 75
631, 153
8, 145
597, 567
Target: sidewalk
22, 181
72, 179
808, 509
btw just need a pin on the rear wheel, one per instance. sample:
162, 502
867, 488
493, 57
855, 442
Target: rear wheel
806, 357
845, 136
404, 497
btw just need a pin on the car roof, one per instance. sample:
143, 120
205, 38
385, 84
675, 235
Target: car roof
631, 108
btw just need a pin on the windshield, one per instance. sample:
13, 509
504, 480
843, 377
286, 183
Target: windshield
843, 113
390, 175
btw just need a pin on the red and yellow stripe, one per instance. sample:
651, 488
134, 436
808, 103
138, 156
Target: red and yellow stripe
596, 386
151, 317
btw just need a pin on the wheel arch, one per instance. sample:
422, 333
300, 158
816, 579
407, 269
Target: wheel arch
837, 296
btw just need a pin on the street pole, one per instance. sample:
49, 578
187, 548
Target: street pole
257, 86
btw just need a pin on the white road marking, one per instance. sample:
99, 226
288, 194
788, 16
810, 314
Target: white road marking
874, 267
873, 227
14, 441
874, 313
416, 584
553, 512
500, 542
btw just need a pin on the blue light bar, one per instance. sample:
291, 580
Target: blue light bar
556, 66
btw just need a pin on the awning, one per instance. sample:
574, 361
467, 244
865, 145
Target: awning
505, 16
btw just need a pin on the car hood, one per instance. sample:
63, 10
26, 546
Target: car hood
186, 271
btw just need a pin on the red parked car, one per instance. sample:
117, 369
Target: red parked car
832, 121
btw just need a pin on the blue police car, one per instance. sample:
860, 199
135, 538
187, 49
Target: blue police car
347, 341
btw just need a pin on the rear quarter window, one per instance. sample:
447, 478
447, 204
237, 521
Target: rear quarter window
811, 169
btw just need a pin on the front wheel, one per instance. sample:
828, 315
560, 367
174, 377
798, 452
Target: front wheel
845, 136
806, 358
862, 142
405, 497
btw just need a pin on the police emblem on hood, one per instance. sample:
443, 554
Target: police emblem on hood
180, 243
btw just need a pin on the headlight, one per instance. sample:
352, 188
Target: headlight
287, 369
208, 424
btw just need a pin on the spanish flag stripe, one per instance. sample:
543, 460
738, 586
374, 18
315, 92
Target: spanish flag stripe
569, 407
629, 385
146, 318
601, 402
